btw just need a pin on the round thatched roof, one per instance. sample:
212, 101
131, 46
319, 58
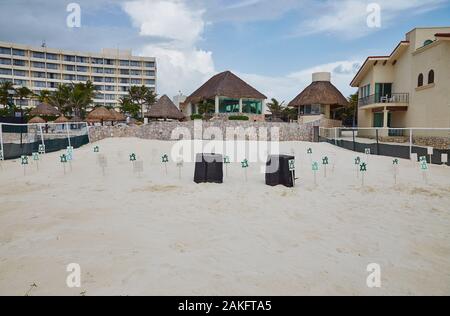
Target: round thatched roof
100, 114
321, 91
165, 109
44, 109
119, 117
61, 119
225, 84
36, 120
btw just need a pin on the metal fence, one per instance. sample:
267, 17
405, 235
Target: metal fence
24, 139
406, 143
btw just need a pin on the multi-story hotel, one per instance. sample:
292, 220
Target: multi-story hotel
112, 71
410, 87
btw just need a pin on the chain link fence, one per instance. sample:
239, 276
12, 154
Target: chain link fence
24, 139
405, 143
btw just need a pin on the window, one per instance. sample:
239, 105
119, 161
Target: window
149, 73
18, 52
136, 73
98, 70
427, 42
20, 82
109, 71
40, 84
124, 71
5, 61
82, 78
125, 63
39, 55
69, 77
109, 88
124, 80
38, 65
420, 81
150, 64
7, 72
5, 51
252, 106
52, 56
431, 77
228, 105
99, 88
82, 69
98, 79
110, 80
20, 63
52, 66
136, 81
69, 58
70, 68
109, 62
149, 82
98, 61
37, 74
83, 60
20, 73
134, 63
53, 76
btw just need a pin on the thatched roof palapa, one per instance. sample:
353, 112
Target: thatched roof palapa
44, 109
75, 119
61, 119
100, 114
118, 117
36, 120
225, 84
321, 91
165, 109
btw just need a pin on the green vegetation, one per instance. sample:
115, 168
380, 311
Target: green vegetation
196, 117
238, 118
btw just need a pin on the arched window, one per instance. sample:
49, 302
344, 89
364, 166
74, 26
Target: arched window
420, 81
431, 77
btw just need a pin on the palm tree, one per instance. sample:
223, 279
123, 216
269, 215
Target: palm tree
128, 107
60, 98
143, 97
206, 107
43, 96
5, 88
81, 96
23, 93
275, 108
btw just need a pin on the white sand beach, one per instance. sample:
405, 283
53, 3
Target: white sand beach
158, 235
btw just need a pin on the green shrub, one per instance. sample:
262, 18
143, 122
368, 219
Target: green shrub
196, 117
238, 118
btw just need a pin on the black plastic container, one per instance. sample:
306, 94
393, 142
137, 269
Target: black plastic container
280, 174
208, 168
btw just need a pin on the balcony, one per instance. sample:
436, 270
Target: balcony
390, 100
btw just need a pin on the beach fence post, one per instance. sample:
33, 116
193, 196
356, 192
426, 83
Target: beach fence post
63, 160
354, 140
336, 136
245, 166
444, 159
68, 134
42, 138
2, 153
410, 143
292, 170
424, 168
378, 142
430, 151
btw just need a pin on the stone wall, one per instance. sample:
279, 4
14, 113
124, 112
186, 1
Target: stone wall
198, 129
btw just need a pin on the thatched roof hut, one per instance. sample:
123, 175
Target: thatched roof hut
165, 109
118, 117
100, 114
75, 119
320, 92
225, 84
36, 120
61, 119
44, 109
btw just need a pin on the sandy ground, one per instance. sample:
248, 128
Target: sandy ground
158, 235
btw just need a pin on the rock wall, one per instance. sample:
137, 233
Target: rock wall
223, 130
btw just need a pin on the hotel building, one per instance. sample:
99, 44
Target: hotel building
112, 71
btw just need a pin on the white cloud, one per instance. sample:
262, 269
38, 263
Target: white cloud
285, 88
181, 65
348, 18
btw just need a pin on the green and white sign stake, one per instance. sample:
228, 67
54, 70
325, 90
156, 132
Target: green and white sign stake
357, 164
165, 160
245, 166
180, 164
315, 169
69, 150
63, 160
310, 152
41, 149
96, 149
395, 164
226, 162
363, 170
424, 167
24, 163
35, 156
325, 163
292, 169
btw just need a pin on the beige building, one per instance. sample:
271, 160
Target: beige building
410, 88
112, 71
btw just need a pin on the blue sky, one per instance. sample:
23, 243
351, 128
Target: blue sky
274, 45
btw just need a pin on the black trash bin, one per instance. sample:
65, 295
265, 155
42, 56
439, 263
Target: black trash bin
208, 168
280, 174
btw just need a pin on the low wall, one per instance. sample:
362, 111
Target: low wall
203, 130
